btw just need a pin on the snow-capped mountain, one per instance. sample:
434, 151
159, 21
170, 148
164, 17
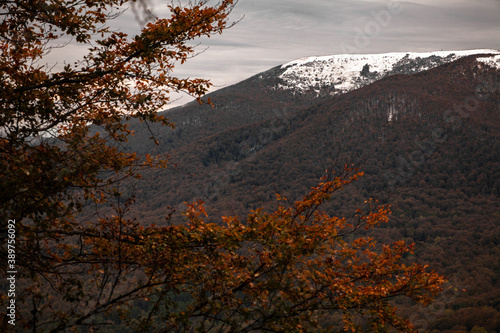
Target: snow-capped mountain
428, 141
345, 72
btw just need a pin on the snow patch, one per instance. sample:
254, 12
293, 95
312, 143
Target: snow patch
344, 72
392, 113
493, 61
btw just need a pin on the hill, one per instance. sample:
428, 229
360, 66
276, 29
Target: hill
428, 142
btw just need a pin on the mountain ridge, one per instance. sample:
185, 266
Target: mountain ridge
341, 73
391, 99
427, 142
259, 98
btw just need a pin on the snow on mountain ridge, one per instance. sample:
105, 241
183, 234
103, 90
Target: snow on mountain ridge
345, 72
412, 55
491, 61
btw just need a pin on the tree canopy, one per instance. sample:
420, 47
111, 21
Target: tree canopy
62, 131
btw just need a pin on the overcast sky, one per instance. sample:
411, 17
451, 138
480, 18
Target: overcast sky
272, 32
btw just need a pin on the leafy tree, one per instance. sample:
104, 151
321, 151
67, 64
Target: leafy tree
52, 161
278, 271
291, 270
46, 147
478, 329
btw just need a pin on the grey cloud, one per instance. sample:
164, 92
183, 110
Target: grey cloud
276, 31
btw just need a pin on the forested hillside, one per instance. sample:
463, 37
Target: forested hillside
428, 143
248, 214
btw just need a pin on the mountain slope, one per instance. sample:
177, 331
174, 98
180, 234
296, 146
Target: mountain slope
372, 113
342, 73
428, 143
284, 90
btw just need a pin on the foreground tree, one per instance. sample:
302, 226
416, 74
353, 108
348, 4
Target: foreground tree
292, 270
280, 271
47, 148
52, 162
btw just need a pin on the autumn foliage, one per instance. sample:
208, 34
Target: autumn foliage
282, 271
47, 148
62, 131
292, 270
